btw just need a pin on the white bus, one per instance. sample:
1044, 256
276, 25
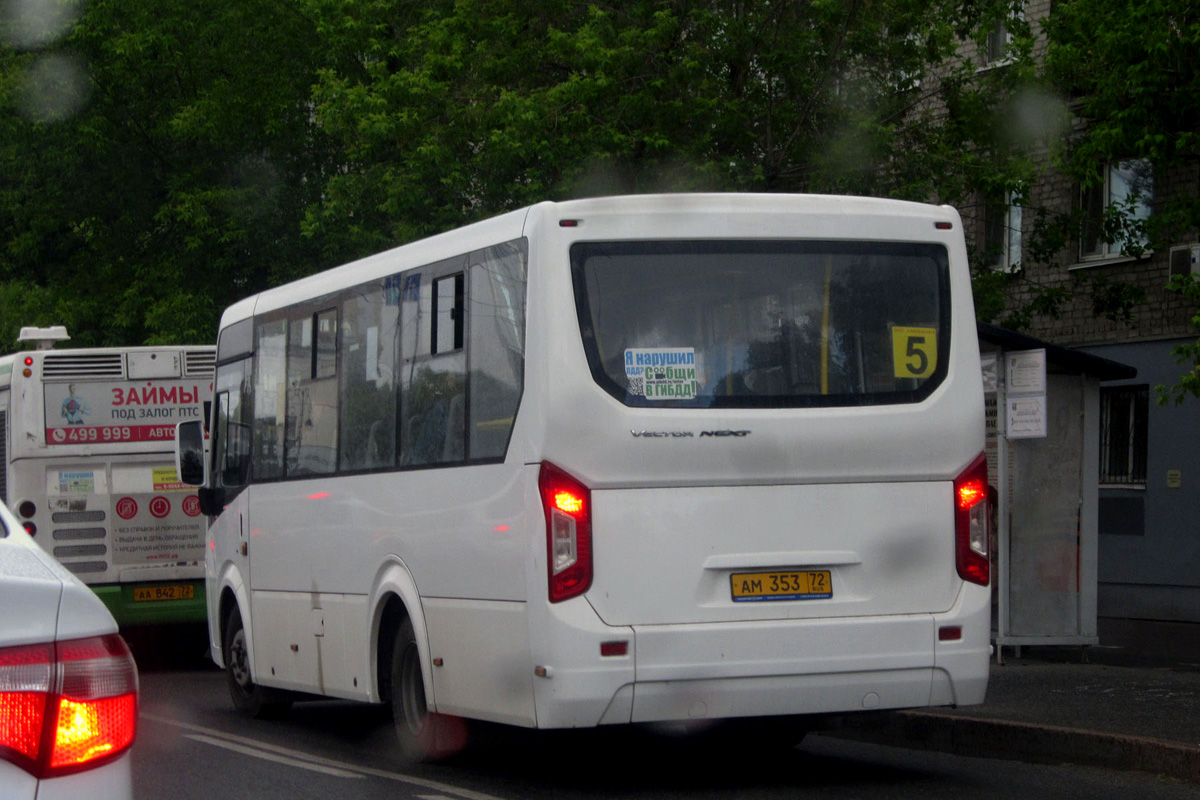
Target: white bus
87, 437
619, 460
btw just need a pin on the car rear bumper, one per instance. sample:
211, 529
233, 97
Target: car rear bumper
113, 781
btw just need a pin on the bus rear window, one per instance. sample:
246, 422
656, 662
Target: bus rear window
763, 323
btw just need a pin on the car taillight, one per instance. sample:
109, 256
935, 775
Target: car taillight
568, 507
971, 522
67, 706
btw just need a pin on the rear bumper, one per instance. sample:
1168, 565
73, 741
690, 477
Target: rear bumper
723, 670
805, 667
782, 695
119, 598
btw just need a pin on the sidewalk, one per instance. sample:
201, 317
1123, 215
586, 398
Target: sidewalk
1132, 702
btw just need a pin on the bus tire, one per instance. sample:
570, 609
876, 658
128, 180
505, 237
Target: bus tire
248, 697
424, 735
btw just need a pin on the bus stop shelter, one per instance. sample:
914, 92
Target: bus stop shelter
1043, 450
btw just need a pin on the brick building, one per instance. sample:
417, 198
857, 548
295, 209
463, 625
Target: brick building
1149, 509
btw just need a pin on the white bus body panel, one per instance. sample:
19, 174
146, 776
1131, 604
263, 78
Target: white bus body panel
314, 541
665, 556
483, 648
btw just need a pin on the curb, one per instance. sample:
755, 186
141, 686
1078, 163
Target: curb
1030, 742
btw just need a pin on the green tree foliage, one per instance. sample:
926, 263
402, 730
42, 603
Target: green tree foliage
456, 109
187, 155
170, 177
1130, 67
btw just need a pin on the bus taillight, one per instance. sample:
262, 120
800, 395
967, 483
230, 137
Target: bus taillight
27, 509
567, 504
971, 519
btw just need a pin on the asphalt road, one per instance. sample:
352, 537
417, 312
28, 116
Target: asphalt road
193, 745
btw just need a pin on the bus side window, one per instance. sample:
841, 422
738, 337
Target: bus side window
310, 438
367, 348
496, 345
231, 434
270, 387
232, 440
434, 370
447, 333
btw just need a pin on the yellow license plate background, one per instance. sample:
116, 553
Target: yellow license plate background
181, 591
805, 584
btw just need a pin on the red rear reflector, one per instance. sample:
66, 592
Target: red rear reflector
943, 226
568, 223
614, 648
67, 707
951, 633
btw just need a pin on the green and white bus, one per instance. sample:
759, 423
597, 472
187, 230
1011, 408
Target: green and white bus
87, 440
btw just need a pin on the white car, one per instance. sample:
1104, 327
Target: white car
68, 683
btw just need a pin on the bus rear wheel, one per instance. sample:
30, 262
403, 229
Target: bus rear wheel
248, 697
424, 735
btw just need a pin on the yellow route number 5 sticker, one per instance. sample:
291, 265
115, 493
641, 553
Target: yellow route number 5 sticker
914, 351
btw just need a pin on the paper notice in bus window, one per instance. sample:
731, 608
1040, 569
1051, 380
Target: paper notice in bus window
164, 479
76, 482
914, 352
661, 373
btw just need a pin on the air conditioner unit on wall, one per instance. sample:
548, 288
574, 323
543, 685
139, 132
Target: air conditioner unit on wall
1185, 259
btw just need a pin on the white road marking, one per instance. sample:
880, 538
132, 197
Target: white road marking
263, 748
258, 752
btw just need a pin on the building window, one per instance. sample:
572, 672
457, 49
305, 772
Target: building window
997, 47
1001, 235
1115, 209
1123, 414
998, 39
